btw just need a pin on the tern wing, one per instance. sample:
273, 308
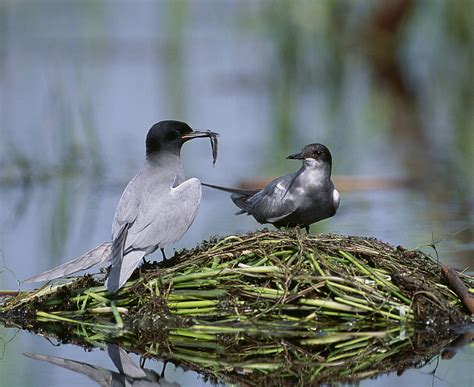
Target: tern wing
118, 245
128, 206
275, 201
125, 215
165, 219
161, 220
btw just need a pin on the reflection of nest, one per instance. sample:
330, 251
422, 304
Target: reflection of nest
272, 306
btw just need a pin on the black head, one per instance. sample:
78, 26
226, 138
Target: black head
170, 135
317, 152
166, 134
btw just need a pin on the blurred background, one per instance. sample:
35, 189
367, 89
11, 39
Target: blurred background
387, 85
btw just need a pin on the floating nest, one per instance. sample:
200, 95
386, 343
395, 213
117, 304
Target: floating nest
264, 307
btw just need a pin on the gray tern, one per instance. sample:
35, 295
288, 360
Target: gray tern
299, 199
156, 208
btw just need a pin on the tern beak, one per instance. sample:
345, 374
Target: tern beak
198, 134
296, 156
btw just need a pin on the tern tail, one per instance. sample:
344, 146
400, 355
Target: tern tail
238, 191
99, 375
93, 257
239, 196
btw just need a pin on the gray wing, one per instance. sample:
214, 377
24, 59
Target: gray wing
122, 269
275, 201
166, 218
127, 208
118, 245
161, 218
125, 214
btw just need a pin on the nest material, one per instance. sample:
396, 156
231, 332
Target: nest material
269, 276
263, 308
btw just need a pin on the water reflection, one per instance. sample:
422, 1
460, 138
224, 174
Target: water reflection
279, 358
129, 374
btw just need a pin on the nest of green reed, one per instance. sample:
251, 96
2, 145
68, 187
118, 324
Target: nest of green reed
266, 276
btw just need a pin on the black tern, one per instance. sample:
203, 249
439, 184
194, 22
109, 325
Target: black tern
298, 199
156, 208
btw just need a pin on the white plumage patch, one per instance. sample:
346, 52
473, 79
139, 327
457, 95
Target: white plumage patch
336, 199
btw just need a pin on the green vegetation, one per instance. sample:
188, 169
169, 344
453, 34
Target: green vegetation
274, 306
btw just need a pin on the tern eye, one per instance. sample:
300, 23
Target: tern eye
173, 135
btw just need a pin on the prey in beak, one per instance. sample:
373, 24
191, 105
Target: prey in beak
201, 134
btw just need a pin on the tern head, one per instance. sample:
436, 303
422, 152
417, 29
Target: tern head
317, 152
171, 135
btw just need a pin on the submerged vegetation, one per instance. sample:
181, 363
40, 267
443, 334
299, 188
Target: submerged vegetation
266, 306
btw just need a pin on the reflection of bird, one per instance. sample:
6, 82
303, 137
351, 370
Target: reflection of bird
129, 373
297, 199
156, 208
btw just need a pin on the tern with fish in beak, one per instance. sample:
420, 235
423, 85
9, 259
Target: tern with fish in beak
299, 199
156, 208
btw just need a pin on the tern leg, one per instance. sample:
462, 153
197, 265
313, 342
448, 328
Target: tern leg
163, 253
164, 368
307, 229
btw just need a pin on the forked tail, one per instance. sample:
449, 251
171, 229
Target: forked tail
239, 196
93, 257
238, 191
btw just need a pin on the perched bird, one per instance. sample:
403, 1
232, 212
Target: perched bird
156, 208
299, 199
